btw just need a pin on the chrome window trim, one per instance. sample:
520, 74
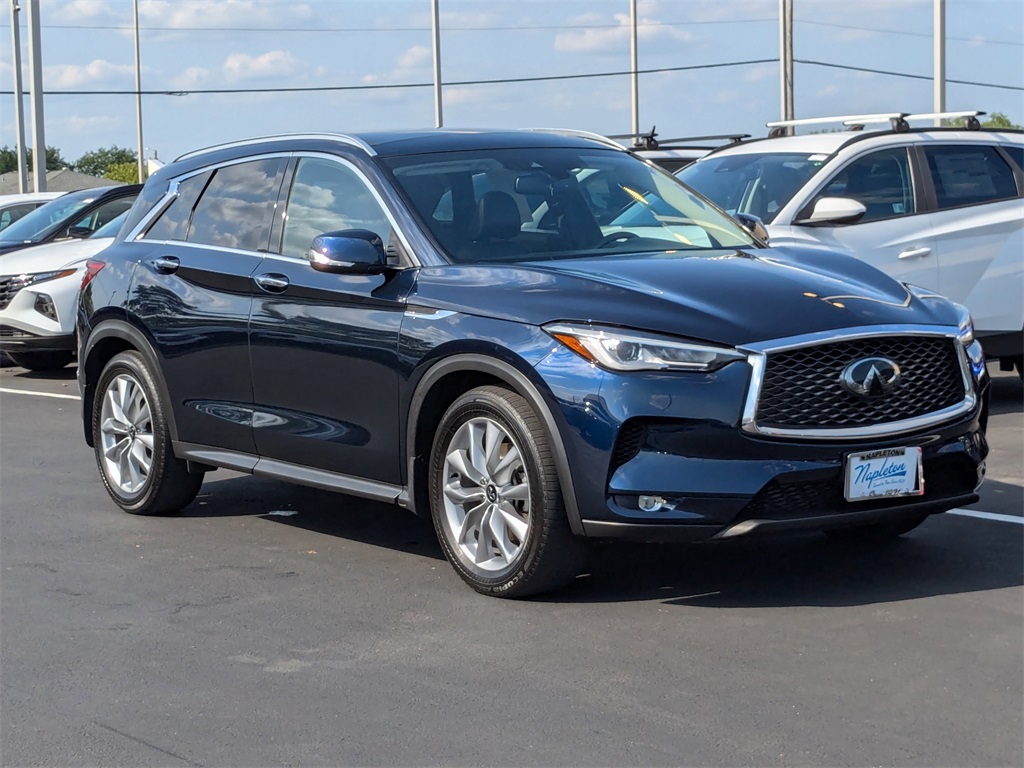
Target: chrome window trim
757, 355
138, 233
367, 183
343, 138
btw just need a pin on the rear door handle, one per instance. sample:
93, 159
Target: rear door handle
272, 282
915, 253
166, 265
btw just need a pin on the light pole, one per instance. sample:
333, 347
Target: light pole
19, 119
138, 96
438, 114
939, 51
633, 67
35, 83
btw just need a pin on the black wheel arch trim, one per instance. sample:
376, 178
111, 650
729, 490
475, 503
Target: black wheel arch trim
523, 386
125, 331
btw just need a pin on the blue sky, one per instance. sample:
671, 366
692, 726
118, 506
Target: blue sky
189, 45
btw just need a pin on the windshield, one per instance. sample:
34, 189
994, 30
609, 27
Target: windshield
528, 204
757, 184
33, 226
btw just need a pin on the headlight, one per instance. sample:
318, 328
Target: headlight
21, 281
620, 350
965, 325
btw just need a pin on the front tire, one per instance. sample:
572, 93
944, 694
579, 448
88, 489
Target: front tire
133, 444
42, 361
496, 500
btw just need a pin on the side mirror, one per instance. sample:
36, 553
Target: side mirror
753, 225
78, 233
348, 252
834, 210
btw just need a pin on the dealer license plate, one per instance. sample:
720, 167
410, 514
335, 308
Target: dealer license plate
886, 472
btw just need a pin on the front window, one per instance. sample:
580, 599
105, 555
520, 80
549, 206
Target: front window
35, 225
528, 204
758, 184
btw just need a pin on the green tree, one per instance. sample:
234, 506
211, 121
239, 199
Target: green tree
9, 160
97, 162
996, 120
126, 173
999, 120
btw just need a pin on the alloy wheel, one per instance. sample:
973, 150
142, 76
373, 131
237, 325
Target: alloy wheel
126, 434
486, 496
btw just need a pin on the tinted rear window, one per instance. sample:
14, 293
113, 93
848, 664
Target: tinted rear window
967, 175
235, 206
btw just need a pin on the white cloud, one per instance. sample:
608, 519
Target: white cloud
95, 73
611, 39
182, 14
760, 72
413, 63
272, 64
193, 77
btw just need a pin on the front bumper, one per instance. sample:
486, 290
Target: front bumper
14, 339
680, 438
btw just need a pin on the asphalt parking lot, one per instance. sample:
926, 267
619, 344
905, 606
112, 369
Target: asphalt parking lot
275, 625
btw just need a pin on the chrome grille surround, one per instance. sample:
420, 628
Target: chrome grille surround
9, 286
757, 358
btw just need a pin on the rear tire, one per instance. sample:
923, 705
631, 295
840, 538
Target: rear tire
42, 361
876, 532
496, 500
133, 443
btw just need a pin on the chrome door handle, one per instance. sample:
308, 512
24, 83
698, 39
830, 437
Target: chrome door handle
915, 253
272, 282
166, 265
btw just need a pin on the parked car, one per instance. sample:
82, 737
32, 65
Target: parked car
530, 365
72, 215
937, 207
39, 298
13, 207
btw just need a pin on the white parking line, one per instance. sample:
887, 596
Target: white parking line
987, 516
38, 394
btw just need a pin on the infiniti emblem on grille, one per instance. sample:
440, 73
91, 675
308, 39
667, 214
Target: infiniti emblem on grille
871, 376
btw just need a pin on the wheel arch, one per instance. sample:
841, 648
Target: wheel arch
439, 387
105, 341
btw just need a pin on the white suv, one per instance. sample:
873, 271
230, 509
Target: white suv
941, 208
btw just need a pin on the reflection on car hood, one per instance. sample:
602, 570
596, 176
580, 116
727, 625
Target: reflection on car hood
41, 258
729, 297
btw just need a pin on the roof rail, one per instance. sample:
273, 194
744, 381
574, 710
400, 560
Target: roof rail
898, 120
343, 138
648, 140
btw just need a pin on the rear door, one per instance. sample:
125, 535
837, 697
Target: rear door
979, 228
193, 290
895, 234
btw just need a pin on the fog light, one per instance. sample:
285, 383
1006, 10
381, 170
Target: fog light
44, 306
651, 503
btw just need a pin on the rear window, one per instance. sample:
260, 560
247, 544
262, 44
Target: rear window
968, 175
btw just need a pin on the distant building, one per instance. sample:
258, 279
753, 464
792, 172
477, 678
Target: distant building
56, 181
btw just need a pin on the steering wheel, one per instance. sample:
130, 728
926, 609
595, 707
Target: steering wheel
615, 237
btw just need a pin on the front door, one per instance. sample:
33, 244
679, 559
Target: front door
324, 347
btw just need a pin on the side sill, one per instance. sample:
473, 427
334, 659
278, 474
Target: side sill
292, 473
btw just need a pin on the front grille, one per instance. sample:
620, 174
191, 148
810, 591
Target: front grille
10, 285
802, 388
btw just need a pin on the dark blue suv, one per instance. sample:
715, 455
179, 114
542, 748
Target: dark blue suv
533, 337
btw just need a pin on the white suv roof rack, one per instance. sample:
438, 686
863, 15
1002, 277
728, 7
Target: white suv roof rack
898, 120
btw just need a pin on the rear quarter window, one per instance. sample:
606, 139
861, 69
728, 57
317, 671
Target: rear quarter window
969, 175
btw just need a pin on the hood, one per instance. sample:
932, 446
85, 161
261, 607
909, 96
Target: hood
728, 297
42, 258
